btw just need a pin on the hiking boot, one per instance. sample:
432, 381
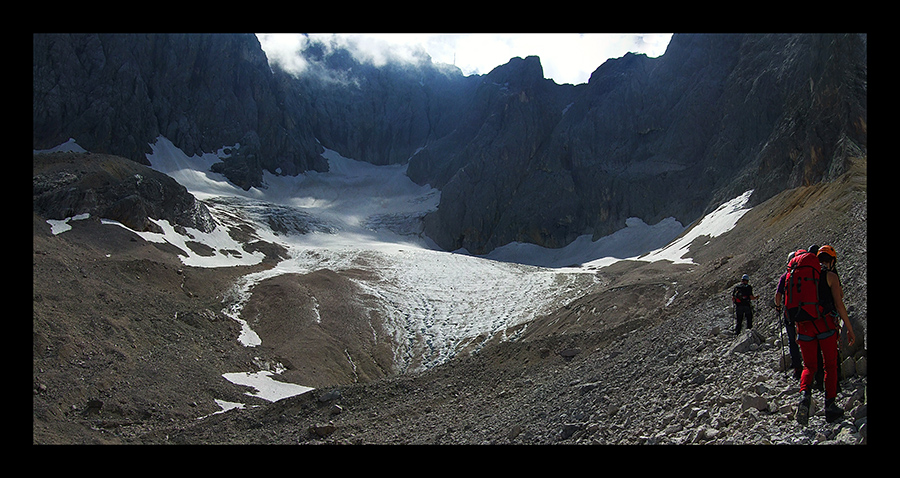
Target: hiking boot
803, 410
832, 411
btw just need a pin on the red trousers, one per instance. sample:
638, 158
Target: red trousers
809, 349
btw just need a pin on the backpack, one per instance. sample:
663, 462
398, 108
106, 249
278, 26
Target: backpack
741, 294
802, 286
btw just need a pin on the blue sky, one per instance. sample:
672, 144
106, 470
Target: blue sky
566, 57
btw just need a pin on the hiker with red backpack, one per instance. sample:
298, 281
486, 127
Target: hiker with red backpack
788, 323
741, 296
807, 288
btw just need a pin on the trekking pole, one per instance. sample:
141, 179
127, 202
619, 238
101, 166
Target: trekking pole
780, 324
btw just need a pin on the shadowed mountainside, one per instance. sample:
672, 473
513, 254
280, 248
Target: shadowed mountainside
516, 156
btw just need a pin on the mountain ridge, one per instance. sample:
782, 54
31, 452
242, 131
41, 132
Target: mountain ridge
672, 136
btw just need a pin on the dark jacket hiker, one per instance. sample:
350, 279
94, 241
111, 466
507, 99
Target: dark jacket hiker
741, 296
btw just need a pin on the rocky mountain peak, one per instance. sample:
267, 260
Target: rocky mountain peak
518, 73
517, 157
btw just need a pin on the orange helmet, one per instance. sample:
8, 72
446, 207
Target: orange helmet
827, 250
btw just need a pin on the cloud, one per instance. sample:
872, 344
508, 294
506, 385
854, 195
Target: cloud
565, 57
286, 50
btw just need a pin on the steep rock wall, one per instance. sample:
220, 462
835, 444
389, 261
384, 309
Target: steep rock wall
116, 93
517, 157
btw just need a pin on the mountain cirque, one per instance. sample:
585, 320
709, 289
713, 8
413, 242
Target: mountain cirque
129, 344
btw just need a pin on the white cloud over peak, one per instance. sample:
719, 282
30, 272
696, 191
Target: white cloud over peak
565, 57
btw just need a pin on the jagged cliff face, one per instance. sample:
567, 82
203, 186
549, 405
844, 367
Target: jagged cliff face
116, 93
675, 136
517, 157
381, 115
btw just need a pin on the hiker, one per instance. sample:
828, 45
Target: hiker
741, 297
816, 327
831, 297
789, 327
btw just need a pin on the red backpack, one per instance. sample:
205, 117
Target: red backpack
802, 285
